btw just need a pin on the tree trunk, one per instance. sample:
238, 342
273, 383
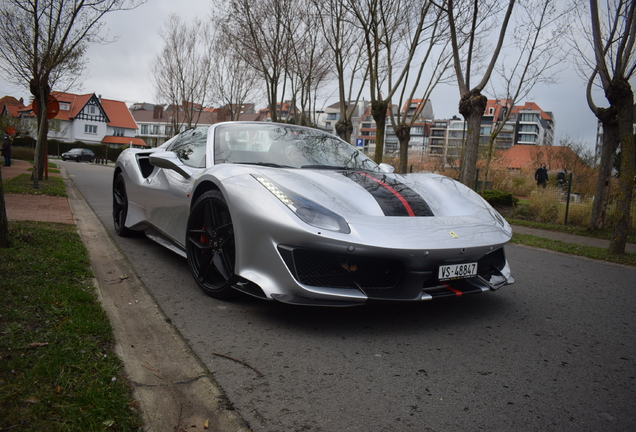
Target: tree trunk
610, 145
471, 106
378, 111
344, 129
491, 151
40, 88
403, 133
621, 95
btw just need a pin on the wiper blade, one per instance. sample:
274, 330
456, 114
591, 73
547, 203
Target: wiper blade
267, 164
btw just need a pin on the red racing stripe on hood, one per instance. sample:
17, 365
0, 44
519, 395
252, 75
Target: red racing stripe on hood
407, 207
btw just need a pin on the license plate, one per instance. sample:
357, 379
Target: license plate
457, 271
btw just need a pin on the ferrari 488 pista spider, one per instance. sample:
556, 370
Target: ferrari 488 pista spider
297, 215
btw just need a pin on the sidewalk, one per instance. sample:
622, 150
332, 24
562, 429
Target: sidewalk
40, 208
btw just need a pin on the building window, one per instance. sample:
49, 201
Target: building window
91, 109
90, 129
529, 128
118, 132
144, 129
64, 106
333, 116
417, 130
529, 117
527, 138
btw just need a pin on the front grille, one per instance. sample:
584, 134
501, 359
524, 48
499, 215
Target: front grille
493, 261
323, 269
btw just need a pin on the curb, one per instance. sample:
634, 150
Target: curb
174, 389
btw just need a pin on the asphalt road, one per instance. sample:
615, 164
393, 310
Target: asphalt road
556, 351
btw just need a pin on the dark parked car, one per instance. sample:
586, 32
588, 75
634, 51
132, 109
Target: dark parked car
78, 155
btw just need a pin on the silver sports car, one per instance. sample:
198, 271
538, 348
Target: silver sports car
297, 215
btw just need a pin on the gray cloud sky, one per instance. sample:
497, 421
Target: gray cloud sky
121, 71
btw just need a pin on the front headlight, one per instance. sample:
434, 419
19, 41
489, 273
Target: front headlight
308, 211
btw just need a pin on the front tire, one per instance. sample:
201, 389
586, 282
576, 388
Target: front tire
120, 206
210, 246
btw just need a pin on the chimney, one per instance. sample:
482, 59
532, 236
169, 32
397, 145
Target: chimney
157, 112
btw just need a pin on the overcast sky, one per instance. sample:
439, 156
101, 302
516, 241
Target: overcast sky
121, 71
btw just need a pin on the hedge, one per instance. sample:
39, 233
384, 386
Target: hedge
499, 198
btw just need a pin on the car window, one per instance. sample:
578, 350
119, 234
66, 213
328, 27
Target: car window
286, 146
190, 146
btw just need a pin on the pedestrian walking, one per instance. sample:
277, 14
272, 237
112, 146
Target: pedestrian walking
6, 150
541, 176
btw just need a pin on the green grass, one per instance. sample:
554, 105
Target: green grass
585, 251
58, 371
605, 233
23, 184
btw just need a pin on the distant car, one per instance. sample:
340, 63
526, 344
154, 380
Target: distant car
78, 155
297, 215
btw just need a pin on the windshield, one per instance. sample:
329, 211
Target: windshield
75, 151
286, 146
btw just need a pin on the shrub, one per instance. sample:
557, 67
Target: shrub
498, 198
24, 141
23, 153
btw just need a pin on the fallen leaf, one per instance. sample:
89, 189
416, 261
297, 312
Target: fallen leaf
37, 344
206, 424
32, 400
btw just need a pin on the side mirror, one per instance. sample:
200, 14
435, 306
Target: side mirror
169, 160
386, 168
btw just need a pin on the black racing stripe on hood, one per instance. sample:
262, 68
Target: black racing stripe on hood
394, 197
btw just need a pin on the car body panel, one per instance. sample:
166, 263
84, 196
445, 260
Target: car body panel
456, 225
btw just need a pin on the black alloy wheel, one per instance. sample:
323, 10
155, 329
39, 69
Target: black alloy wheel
120, 206
210, 246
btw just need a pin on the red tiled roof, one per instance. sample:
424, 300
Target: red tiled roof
123, 141
492, 103
530, 156
118, 114
531, 106
12, 105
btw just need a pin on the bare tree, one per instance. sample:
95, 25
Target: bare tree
260, 35
611, 139
182, 71
615, 63
610, 33
345, 44
42, 44
233, 82
539, 57
307, 64
467, 21
393, 31
437, 58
